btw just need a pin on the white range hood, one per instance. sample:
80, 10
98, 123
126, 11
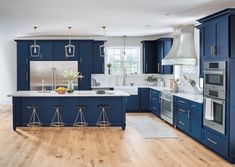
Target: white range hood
183, 49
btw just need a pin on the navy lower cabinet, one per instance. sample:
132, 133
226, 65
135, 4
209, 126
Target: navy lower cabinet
116, 112
154, 105
188, 117
132, 103
144, 94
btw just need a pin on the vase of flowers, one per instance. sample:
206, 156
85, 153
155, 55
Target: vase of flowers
71, 76
152, 80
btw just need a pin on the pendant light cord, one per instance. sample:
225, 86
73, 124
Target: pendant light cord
69, 35
35, 28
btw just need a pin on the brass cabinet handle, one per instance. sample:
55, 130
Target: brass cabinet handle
80, 59
213, 50
189, 113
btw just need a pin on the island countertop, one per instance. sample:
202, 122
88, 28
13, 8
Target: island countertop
85, 93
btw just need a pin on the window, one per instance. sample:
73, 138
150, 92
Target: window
129, 61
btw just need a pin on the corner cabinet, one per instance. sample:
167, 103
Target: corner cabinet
153, 53
189, 116
163, 46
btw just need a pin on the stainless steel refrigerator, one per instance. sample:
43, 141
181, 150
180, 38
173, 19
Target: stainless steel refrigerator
49, 74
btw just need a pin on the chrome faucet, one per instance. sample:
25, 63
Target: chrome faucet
124, 77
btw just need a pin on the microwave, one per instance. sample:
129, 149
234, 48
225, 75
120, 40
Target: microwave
215, 76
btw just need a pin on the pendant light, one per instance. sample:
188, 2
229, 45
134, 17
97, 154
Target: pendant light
69, 49
103, 48
124, 45
35, 49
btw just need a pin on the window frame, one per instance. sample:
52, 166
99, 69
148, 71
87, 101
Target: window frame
122, 58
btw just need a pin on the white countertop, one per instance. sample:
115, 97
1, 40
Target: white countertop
129, 89
85, 93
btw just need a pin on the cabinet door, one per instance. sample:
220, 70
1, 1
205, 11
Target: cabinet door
97, 58
196, 116
159, 55
59, 50
22, 77
202, 50
149, 58
210, 40
167, 69
85, 51
222, 40
85, 83
132, 103
22, 52
46, 112
183, 122
25, 113
45, 51
144, 96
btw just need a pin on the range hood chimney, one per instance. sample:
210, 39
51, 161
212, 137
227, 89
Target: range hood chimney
183, 49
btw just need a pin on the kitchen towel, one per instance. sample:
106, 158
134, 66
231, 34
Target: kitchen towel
209, 114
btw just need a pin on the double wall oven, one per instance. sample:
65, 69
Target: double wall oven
215, 95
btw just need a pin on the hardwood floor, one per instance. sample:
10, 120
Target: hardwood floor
108, 147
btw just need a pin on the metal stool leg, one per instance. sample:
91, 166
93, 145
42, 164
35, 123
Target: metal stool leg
103, 119
34, 119
59, 122
80, 116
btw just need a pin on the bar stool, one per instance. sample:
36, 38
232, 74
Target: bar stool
34, 120
80, 119
57, 120
103, 119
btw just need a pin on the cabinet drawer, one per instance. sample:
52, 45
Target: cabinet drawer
183, 122
215, 142
182, 103
193, 106
182, 111
154, 93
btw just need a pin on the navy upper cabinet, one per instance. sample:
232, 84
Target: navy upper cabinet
163, 46
22, 65
216, 37
85, 51
97, 58
45, 51
58, 50
149, 57
85, 83
202, 48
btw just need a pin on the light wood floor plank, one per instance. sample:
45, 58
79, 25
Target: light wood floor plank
98, 147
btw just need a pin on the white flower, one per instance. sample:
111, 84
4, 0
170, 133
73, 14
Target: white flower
70, 75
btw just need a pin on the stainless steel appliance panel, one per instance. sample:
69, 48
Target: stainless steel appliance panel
50, 73
219, 114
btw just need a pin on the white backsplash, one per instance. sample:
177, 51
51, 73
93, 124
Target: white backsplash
139, 80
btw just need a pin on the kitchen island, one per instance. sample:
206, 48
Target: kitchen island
115, 99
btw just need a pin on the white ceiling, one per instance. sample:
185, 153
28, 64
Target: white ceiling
129, 17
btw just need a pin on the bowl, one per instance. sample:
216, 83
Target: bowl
61, 91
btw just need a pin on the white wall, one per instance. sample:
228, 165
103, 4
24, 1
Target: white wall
7, 68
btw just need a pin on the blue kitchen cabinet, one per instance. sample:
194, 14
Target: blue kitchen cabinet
201, 49
163, 46
58, 50
23, 77
97, 58
85, 82
85, 51
46, 112
144, 94
69, 112
24, 115
154, 102
45, 50
149, 57
188, 117
132, 103
22, 65
216, 37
